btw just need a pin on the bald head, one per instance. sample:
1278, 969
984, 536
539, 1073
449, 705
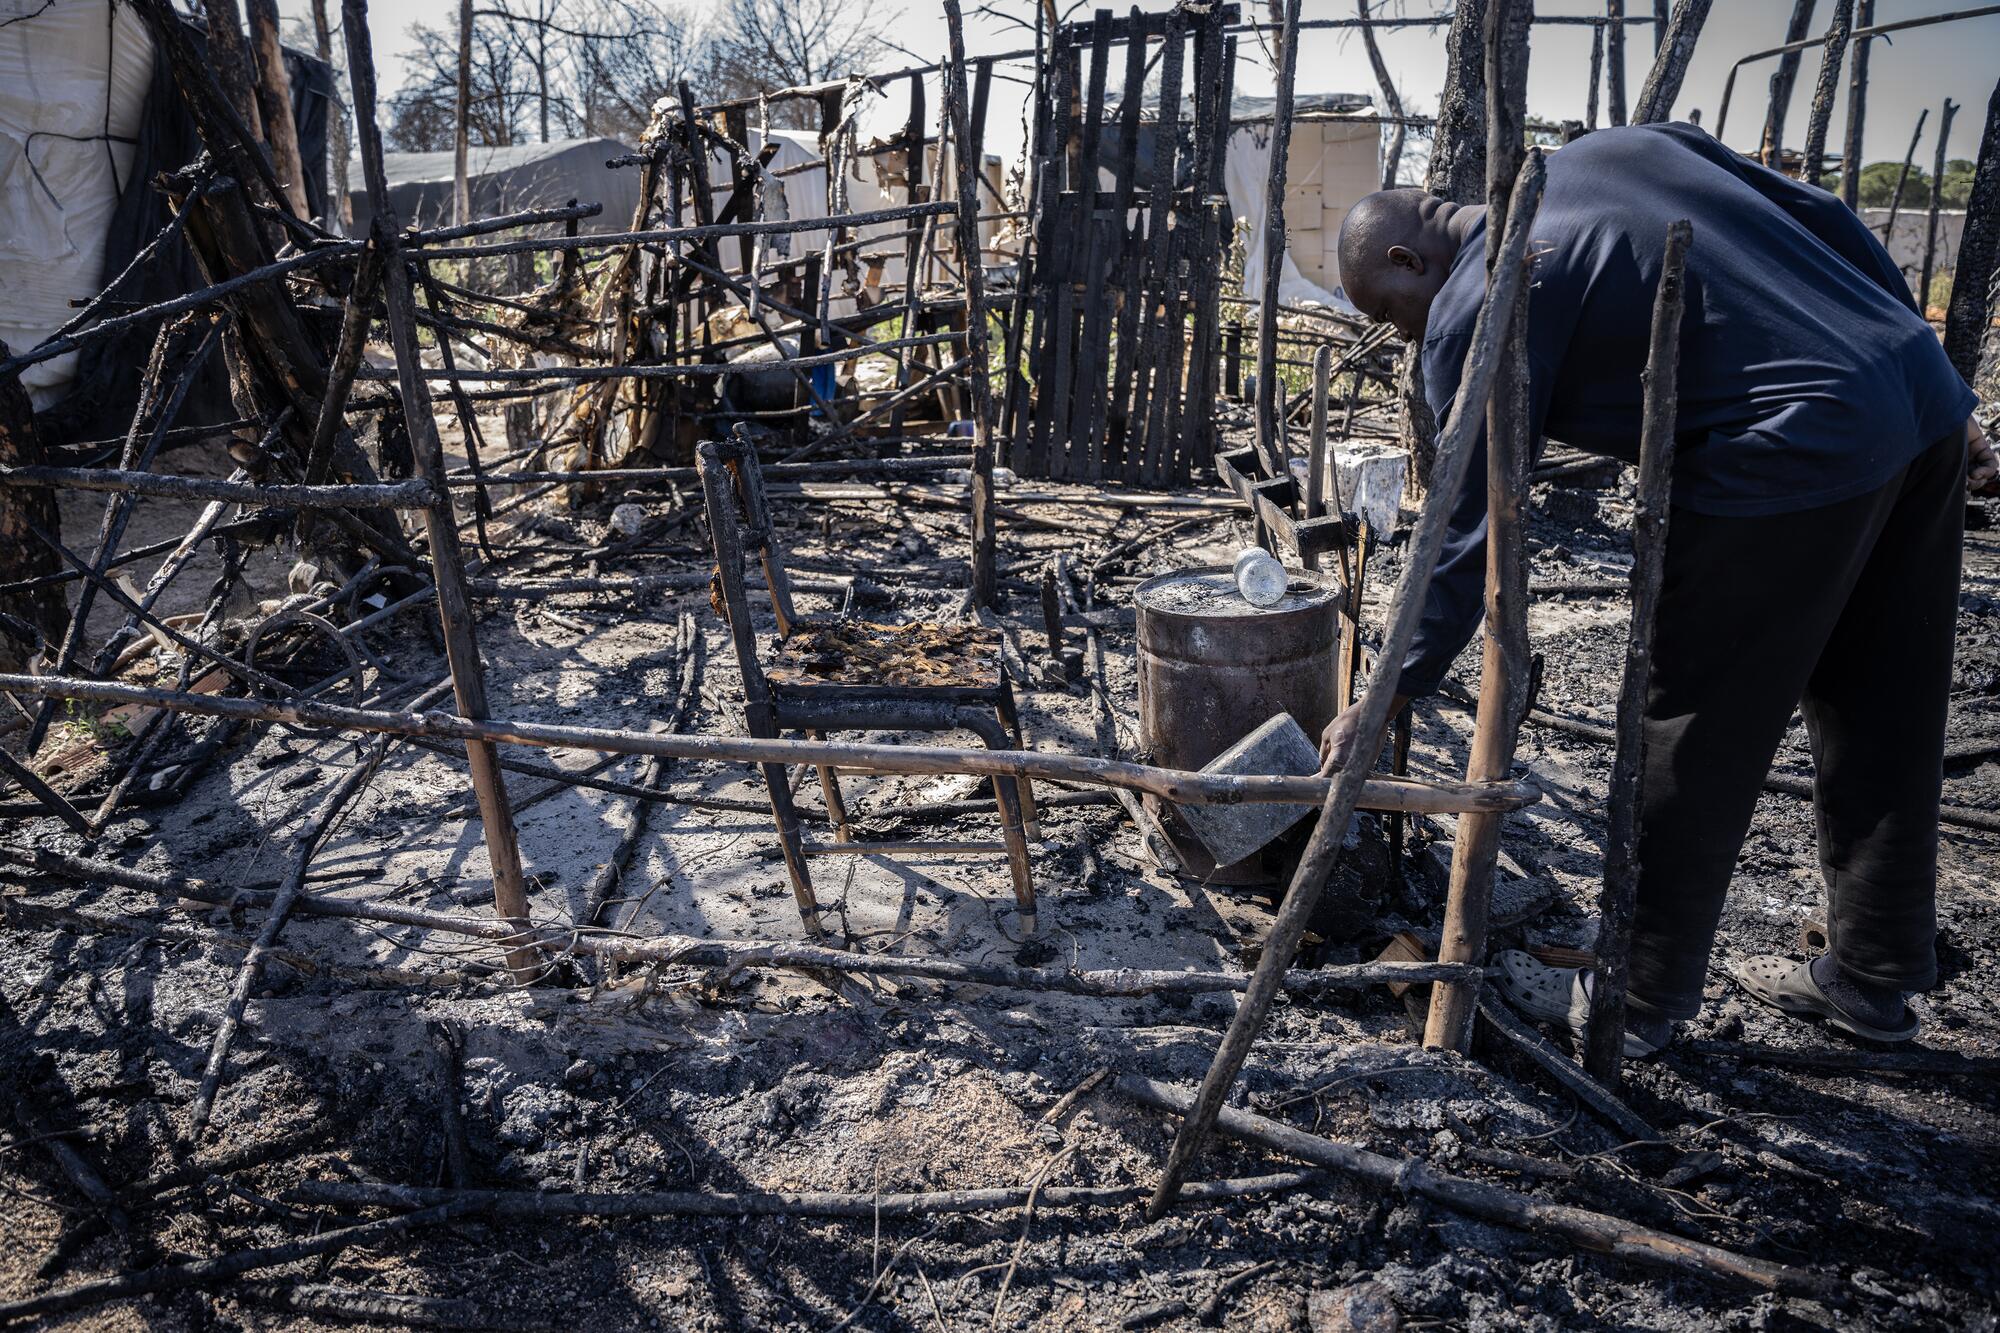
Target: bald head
1396, 249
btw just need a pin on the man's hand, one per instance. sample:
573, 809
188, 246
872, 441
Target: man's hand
1337, 741
1982, 465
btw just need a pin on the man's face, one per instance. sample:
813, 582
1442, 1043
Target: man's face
1398, 288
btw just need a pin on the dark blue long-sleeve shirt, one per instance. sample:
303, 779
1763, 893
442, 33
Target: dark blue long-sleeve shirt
1806, 374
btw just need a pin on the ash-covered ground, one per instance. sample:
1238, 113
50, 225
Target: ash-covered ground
385, 1054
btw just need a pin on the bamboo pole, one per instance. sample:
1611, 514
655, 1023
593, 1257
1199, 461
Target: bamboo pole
1604, 1041
1454, 458
510, 895
1504, 665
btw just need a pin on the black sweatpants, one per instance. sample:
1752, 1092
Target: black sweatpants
1847, 610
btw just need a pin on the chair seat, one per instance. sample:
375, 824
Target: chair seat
861, 653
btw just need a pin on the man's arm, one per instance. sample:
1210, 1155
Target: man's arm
1831, 222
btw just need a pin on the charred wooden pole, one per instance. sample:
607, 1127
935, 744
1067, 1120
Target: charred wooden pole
274, 103
1614, 61
1504, 667
1670, 63
510, 896
229, 58
1392, 101
1270, 447
1457, 172
33, 615
1968, 319
985, 575
1596, 75
1604, 1040
461, 121
1937, 197
310, 839
1857, 110
1832, 53
339, 208
1580, 1227
1771, 153
1903, 177
1174, 785
1454, 458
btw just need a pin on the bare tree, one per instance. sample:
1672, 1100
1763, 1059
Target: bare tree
760, 44
422, 112
547, 69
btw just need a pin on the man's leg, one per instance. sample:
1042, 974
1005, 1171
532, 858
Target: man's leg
1876, 707
1746, 607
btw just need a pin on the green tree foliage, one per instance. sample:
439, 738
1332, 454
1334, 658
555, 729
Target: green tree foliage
1878, 182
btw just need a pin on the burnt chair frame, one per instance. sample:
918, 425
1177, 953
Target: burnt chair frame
739, 522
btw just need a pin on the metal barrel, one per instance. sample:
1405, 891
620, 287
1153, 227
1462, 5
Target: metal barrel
1213, 668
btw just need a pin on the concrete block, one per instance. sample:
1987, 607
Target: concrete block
1232, 832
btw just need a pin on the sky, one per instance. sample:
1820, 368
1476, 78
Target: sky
1907, 71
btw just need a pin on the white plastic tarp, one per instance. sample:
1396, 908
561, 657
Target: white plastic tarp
73, 81
1246, 172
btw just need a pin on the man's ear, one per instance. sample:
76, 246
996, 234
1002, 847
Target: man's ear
1403, 257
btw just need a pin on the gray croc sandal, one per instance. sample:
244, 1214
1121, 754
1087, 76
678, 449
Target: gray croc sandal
1787, 985
1557, 995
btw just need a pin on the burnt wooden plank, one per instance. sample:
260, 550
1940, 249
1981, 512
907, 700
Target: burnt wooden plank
1110, 402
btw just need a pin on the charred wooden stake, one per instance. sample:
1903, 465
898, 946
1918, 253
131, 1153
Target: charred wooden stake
1504, 667
609, 876
1454, 459
1968, 318
1599, 1232
1614, 63
510, 896
1931, 221
1670, 62
1392, 102
1604, 1042
1771, 154
252, 967
1903, 177
979, 381
1857, 111
1271, 451
274, 104
1833, 52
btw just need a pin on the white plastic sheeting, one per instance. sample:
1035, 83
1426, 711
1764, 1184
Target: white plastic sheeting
73, 81
1331, 165
1246, 174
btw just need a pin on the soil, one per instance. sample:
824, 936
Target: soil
687, 1080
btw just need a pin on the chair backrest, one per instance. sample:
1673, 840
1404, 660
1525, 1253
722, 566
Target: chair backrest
732, 483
